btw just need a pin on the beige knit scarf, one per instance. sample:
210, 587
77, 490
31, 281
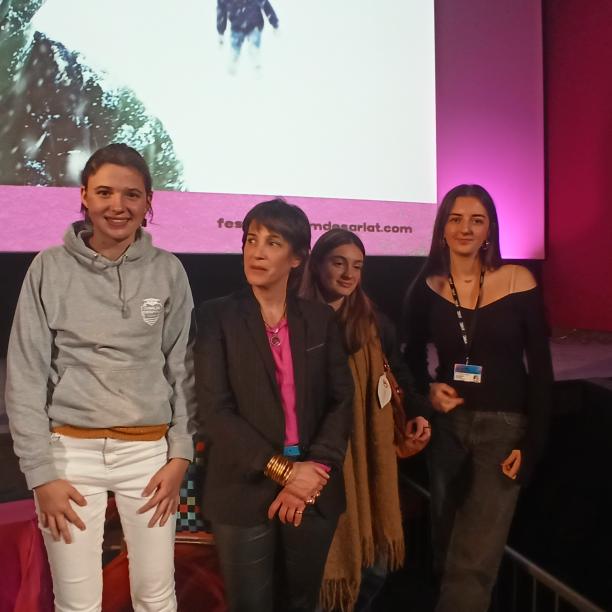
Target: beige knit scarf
370, 531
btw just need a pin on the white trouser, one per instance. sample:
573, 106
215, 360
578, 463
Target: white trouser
94, 467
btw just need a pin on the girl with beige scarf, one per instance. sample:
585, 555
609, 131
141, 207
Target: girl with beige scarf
370, 532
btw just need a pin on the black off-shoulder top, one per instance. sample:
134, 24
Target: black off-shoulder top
510, 343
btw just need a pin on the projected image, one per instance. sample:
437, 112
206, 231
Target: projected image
313, 98
55, 109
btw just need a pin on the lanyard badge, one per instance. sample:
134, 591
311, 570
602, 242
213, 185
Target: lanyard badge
467, 372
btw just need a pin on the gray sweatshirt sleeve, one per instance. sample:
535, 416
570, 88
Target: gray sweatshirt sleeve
28, 365
177, 346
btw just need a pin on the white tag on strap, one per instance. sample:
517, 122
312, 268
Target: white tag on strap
384, 390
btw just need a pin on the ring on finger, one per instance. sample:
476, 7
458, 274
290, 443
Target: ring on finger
310, 500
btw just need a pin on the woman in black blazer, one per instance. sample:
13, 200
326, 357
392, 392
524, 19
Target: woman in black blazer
275, 392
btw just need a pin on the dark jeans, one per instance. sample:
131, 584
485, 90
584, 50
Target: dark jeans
372, 581
274, 566
472, 502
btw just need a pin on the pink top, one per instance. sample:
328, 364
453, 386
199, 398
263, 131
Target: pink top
283, 362
281, 352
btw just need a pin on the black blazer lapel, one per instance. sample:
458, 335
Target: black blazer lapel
254, 323
297, 337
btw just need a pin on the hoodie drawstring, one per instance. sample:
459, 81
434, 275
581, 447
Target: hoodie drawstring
125, 309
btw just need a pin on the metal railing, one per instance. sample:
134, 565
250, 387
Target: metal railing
526, 587
560, 595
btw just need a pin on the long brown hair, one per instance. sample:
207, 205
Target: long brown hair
356, 314
438, 261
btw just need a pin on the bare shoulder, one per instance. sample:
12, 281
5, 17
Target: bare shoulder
518, 277
437, 283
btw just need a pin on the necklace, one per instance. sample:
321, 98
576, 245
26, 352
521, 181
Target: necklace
274, 337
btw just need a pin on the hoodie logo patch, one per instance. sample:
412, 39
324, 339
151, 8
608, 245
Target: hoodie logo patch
150, 310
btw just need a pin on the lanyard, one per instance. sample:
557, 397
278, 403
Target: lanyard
467, 340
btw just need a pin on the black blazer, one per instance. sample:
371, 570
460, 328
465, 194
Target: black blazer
240, 410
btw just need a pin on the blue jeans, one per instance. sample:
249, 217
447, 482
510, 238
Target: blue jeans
238, 38
373, 579
472, 502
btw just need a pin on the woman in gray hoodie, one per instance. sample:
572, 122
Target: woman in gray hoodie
100, 388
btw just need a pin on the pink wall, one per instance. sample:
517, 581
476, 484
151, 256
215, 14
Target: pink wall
578, 92
489, 112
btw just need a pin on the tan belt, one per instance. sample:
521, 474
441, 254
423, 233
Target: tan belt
144, 433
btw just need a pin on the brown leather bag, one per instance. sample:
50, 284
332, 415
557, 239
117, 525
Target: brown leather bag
404, 446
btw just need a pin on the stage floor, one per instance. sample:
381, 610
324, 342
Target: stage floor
581, 354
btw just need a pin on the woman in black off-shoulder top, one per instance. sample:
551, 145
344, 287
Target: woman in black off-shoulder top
491, 393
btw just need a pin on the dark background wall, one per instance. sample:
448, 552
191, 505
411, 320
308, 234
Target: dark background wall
386, 280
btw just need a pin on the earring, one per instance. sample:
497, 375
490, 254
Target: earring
485, 245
